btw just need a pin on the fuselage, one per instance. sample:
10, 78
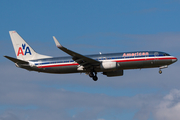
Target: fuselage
125, 60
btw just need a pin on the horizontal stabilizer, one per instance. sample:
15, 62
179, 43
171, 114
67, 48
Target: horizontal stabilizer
16, 60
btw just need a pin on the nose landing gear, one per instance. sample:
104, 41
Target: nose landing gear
160, 71
93, 75
162, 67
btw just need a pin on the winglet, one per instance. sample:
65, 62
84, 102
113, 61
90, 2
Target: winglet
57, 42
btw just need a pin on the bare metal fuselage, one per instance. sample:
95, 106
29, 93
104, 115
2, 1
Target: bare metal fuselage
67, 65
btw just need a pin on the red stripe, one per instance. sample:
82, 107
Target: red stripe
167, 58
58, 65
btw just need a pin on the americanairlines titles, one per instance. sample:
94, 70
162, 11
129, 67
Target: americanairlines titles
135, 54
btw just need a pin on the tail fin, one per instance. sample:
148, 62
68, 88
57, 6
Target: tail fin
22, 50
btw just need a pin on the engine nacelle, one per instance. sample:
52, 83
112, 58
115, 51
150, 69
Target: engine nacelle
108, 65
114, 73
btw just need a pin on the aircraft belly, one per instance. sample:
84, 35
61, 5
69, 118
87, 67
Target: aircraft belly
132, 65
163, 62
59, 70
144, 64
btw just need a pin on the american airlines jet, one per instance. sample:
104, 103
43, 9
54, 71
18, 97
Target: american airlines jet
111, 64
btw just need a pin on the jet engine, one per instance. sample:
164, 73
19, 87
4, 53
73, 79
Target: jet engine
114, 73
108, 65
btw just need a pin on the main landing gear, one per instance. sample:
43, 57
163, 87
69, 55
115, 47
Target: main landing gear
93, 75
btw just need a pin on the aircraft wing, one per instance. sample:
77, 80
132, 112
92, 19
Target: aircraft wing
80, 59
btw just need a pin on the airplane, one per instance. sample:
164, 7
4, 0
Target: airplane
110, 64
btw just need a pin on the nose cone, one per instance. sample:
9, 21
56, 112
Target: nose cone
174, 60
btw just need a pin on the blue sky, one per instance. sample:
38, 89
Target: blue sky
90, 27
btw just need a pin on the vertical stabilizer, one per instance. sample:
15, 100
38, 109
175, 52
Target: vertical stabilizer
22, 50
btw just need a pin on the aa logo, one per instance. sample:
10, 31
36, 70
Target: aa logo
25, 49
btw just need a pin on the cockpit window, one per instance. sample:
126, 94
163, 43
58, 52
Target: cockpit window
165, 54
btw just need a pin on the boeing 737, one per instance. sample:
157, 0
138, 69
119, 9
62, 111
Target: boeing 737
111, 64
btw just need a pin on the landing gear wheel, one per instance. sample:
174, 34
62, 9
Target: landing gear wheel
95, 78
91, 74
160, 71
